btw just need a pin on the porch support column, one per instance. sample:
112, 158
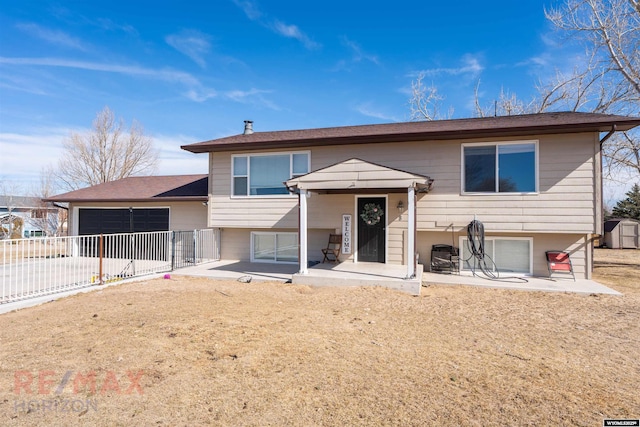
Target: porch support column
302, 232
411, 232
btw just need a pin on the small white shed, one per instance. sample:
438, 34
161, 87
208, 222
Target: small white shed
622, 233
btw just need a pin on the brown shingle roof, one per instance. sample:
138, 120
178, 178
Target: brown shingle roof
526, 124
142, 188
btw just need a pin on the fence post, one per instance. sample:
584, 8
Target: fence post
101, 251
195, 247
173, 250
219, 243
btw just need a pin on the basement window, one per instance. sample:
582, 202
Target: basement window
274, 247
506, 255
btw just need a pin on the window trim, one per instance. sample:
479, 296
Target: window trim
496, 144
275, 260
462, 246
248, 174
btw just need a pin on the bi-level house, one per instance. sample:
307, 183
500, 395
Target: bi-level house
395, 190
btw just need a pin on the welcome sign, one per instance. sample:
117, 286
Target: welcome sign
346, 234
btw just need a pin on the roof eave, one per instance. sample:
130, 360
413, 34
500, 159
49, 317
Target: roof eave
132, 200
212, 146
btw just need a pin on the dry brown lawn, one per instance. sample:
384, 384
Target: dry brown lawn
189, 351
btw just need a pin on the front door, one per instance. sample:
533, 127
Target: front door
372, 220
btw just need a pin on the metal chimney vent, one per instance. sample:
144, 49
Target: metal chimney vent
248, 127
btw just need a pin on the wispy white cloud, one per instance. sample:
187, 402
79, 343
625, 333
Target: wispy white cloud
45, 148
292, 31
200, 94
174, 160
251, 9
25, 154
358, 54
366, 109
54, 37
550, 40
196, 92
191, 43
470, 66
252, 96
21, 84
540, 60
239, 95
110, 25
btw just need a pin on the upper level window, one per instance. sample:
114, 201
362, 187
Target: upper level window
499, 168
264, 174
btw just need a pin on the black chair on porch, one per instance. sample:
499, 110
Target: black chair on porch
332, 251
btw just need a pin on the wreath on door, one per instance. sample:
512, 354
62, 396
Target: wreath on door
371, 213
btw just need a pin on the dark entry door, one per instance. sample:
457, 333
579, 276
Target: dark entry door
372, 220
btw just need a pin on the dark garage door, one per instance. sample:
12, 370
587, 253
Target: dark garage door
110, 221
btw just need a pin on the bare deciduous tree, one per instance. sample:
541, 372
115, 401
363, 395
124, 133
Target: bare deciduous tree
10, 223
610, 31
606, 81
50, 218
609, 79
425, 101
106, 153
507, 104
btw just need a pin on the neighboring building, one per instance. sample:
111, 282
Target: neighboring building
37, 218
622, 233
534, 181
148, 203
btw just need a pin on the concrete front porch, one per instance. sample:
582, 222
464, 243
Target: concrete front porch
234, 269
329, 274
361, 274
374, 274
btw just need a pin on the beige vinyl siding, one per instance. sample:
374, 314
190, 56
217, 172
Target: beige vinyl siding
236, 243
245, 212
566, 201
187, 216
575, 244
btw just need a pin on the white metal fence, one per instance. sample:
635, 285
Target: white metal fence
194, 247
41, 266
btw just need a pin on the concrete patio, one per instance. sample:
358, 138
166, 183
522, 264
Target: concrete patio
374, 274
580, 286
344, 274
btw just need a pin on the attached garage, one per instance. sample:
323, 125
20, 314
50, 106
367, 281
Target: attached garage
111, 221
141, 204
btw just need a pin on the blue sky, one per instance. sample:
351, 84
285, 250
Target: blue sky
193, 71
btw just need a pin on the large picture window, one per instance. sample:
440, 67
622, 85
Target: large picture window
506, 255
264, 174
274, 247
500, 168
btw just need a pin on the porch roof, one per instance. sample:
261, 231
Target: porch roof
358, 175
